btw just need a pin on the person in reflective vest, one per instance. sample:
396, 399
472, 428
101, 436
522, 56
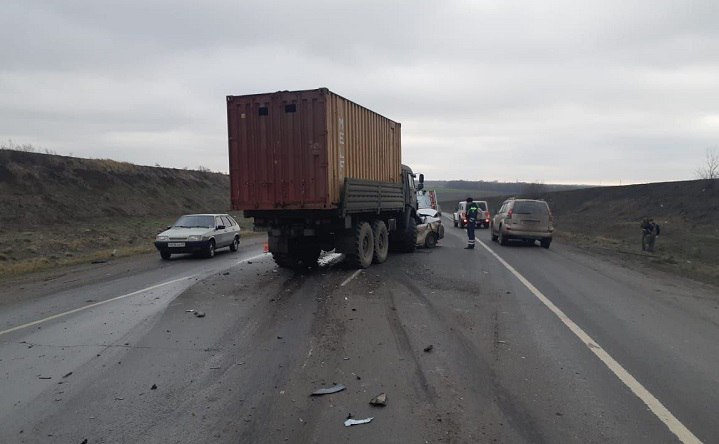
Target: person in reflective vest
471, 213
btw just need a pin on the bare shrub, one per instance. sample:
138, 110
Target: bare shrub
710, 170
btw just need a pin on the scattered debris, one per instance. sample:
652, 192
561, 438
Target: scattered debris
379, 400
346, 358
200, 314
249, 262
351, 422
215, 368
328, 390
428, 348
117, 398
226, 273
84, 441
44, 377
190, 311
98, 262
279, 337
154, 387
501, 342
67, 375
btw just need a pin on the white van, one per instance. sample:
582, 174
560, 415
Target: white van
460, 214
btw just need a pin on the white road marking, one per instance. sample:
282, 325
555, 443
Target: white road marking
259, 256
134, 293
347, 281
85, 307
676, 427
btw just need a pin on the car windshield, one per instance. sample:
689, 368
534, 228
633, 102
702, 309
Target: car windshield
530, 207
195, 222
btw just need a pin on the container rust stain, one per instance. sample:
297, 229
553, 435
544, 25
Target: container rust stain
293, 149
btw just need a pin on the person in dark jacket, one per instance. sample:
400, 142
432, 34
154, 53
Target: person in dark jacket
471, 212
650, 232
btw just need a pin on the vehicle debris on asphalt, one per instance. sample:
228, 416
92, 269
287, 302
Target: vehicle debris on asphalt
200, 314
154, 387
379, 400
67, 374
428, 348
351, 422
328, 390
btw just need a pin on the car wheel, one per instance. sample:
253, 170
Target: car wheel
210, 251
235, 243
165, 254
494, 236
502, 237
430, 241
455, 223
545, 243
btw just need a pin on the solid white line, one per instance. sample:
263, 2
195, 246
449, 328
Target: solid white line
676, 427
85, 307
347, 281
259, 256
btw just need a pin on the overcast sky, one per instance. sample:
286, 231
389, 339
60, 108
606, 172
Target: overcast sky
554, 91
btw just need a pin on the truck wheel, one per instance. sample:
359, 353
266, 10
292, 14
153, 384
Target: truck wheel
405, 241
284, 260
381, 241
308, 256
363, 248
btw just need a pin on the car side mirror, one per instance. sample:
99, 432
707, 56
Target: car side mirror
220, 227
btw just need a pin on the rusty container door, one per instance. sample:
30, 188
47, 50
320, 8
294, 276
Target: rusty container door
278, 151
294, 149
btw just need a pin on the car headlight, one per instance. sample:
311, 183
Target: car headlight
194, 237
162, 238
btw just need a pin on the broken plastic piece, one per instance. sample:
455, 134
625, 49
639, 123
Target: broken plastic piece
380, 400
428, 348
200, 314
351, 422
329, 390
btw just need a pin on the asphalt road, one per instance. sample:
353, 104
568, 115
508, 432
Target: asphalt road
527, 345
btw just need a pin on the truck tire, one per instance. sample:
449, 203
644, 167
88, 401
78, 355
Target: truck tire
405, 241
363, 247
381, 241
300, 257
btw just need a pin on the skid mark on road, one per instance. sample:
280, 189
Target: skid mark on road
661, 412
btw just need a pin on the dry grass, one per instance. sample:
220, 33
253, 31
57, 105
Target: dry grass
30, 249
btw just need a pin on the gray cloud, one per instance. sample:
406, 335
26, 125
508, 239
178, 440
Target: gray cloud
567, 91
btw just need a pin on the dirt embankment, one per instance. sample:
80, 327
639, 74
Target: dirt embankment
58, 209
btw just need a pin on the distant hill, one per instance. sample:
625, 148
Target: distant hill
456, 190
57, 210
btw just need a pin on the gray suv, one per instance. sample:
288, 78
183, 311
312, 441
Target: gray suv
199, 233
523, 219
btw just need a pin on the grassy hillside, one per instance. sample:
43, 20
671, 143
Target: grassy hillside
606, 220
58, 209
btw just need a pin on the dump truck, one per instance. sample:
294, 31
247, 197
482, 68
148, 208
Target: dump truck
319, 172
